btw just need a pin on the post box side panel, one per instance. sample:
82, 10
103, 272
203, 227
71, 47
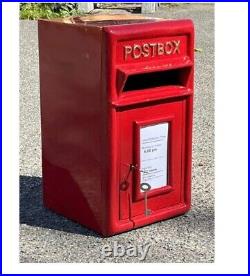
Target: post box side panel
71, 121
187, 149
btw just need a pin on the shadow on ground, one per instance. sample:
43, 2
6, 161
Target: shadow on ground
33, 213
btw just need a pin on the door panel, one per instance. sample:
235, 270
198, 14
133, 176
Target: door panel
150, 143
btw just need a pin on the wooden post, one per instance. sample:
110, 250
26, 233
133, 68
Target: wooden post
148, 7
86, 7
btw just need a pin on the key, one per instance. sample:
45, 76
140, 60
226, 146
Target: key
145, 187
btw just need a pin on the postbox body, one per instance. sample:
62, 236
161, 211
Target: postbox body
116, 112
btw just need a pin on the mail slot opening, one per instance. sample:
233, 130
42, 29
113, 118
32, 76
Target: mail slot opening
175, 77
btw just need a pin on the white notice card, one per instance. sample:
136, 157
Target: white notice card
153, 155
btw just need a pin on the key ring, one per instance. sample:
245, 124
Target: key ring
145, 187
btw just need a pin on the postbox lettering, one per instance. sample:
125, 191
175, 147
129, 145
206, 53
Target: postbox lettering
148, 50
177, 46
137, 51
145, 50
168, 48
128, 50
160, 49
153, 46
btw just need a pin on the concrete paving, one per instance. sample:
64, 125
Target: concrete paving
47, 237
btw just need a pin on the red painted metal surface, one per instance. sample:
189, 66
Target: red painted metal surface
100, 83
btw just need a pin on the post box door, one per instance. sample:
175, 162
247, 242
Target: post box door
150, 143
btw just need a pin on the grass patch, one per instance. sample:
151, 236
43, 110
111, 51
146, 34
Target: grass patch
47, 10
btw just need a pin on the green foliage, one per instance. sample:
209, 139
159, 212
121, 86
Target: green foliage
47, 10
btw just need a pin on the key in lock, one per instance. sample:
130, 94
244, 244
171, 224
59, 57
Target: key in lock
145, 187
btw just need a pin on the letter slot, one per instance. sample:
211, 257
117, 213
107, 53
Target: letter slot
128, 82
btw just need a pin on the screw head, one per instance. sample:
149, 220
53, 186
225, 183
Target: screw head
124, 185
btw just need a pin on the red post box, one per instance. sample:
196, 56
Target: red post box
116, 117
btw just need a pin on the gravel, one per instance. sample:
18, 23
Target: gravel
46, 237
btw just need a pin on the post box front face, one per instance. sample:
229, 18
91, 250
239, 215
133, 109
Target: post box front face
150, 152
151, 86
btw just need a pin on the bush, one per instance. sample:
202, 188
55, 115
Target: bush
47, 10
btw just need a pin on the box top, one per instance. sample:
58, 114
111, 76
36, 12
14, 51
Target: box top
101, 20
